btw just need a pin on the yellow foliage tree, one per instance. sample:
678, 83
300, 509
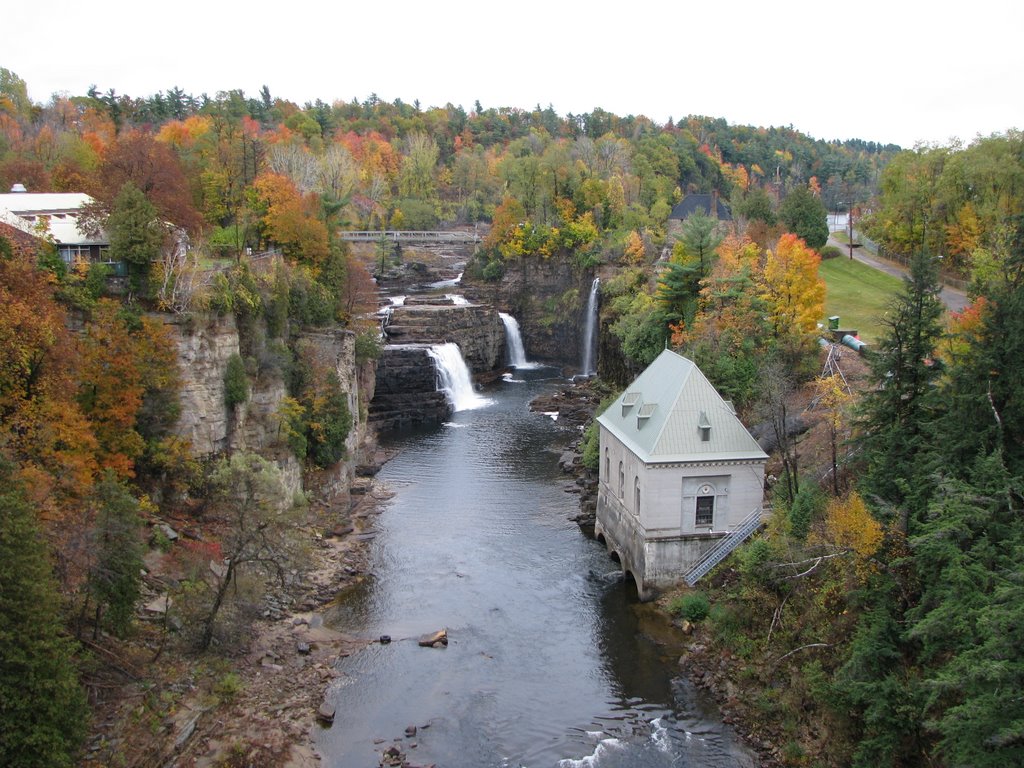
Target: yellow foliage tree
633, 253
851, 526
793, 292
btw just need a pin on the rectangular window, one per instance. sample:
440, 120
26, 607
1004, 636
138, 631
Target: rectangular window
705, 510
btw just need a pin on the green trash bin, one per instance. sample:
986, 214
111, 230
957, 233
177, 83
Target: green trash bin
833, 323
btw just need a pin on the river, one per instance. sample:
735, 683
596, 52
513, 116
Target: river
550, 661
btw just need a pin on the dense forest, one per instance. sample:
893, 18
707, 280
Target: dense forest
879, 618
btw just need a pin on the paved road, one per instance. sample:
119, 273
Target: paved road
954, 299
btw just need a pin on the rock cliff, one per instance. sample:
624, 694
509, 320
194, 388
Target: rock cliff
476, 328
406, 389
548, 299
205, 344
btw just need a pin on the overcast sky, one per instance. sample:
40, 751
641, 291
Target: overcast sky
899, 71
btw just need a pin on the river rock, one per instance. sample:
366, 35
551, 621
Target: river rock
326, 712
437, 639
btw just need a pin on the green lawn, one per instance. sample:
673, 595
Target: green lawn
858, 294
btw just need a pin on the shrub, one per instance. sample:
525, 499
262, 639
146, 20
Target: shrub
236, 383
494, 271
830, 252
754, 558
330, 423
368, 346
808, 504
228, 687
694, 607
592, 447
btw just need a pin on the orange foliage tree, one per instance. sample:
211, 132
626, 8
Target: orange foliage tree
44, 433
287, 218
128, 384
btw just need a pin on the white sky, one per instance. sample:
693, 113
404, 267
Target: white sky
899, 71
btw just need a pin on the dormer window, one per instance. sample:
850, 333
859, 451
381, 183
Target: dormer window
704, 425
629, 400
646, 411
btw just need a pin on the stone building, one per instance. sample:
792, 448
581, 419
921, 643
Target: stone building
678, 473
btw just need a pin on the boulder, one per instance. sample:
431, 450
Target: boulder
437, 639
326, 712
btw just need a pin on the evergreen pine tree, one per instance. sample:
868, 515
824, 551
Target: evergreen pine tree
899, 412
136, 234
986, 391
42, 707
114, 581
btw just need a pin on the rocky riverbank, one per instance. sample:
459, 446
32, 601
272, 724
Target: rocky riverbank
255, 704
575, 406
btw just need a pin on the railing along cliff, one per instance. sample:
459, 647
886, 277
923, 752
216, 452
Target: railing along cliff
411, 236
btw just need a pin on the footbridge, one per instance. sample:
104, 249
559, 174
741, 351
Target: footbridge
451, 237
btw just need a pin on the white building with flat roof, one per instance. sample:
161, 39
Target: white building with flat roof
55, 214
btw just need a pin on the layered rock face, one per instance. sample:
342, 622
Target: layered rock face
476, 328
548, 298
204, 348
406, 389
203, 353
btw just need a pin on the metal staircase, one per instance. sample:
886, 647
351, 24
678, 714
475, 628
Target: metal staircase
721, 550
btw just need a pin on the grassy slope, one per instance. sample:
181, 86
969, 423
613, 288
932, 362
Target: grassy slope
857, 293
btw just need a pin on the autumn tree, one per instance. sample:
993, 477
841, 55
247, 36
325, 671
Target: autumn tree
46, 435
288, 219
793, 293
153, 169
129, 383
249, 500
416, 178
833, 396
729, 337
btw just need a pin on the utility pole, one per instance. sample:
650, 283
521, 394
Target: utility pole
849, 215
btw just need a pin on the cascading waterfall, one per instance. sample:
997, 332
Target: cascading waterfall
589, 331
453, 378
514, 343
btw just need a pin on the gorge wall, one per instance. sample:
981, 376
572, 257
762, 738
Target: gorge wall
406, 389
548, 298
206, 344
476, 328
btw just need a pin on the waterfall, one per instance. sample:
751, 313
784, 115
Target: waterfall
514, 343
589, 335
453, 378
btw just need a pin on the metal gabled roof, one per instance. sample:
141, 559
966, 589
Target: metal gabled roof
665, 413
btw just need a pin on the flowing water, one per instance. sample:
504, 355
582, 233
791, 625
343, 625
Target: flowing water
514, 349
454, 378
550, 661
589, 366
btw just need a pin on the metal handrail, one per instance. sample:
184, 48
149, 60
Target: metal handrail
720, 551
